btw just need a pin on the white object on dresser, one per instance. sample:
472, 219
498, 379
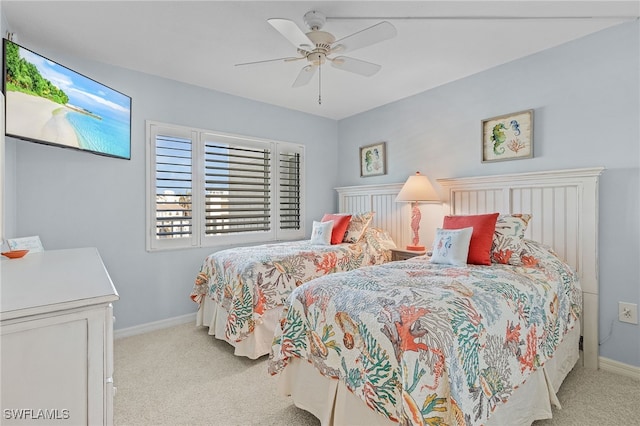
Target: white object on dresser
56, 339
33, 244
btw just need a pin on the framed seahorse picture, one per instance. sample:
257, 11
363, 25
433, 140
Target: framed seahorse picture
508, 137
373, 160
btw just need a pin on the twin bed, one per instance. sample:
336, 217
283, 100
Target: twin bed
241, 291
418, 342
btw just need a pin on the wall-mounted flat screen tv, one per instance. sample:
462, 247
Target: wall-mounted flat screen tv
48, 103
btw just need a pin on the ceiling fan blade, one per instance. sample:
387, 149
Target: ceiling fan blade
287, 59
363, 38
355, 65
291, 32
305, 75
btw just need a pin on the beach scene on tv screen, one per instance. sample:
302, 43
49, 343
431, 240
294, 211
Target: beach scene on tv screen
50, 103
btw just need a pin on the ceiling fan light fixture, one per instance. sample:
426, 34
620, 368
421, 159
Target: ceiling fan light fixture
317, 58
321, 39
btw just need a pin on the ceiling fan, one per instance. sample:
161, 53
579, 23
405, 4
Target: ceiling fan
317, 46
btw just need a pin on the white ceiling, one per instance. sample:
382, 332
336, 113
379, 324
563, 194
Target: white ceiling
199, 42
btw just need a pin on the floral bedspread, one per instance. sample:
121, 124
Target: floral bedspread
423, 343
247, 281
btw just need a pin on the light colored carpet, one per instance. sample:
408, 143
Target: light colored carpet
182, 376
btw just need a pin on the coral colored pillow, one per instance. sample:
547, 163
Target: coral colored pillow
340, 224
484, 226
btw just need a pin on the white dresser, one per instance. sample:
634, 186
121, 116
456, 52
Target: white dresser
56, 339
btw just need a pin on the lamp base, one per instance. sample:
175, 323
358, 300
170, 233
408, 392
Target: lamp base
416, 248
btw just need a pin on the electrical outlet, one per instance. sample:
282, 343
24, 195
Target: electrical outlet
628, 312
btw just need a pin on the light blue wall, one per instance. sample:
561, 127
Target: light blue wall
585, 95
77, 199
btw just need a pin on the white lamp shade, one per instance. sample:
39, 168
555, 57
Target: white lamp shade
417, 188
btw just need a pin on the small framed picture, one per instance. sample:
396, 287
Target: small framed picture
508, 137
373, 160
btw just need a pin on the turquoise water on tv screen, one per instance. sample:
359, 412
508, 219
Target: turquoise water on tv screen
108, 136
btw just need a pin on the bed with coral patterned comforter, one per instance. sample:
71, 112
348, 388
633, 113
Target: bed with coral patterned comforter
423, 343
247, 282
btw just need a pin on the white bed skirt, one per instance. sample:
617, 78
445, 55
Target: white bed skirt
257, 344
333, 404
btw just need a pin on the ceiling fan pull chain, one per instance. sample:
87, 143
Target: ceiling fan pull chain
320, 85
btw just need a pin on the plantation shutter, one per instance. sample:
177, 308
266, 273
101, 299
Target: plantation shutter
289, 168
290, 200
237, 184
173, 176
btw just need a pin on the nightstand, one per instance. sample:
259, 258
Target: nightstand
399, 254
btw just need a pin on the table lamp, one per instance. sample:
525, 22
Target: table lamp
417, 188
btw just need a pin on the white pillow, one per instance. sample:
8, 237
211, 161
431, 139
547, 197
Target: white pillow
321, 233
451, 246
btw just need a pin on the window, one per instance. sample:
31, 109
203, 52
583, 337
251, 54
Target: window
207, 188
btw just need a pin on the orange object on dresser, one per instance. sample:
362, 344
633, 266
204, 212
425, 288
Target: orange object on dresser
15, 254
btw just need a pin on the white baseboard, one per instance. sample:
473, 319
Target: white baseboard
155, 325
621, 368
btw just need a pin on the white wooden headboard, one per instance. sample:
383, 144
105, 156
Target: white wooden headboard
390, 216
564, 209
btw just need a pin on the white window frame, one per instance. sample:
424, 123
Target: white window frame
198, 237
